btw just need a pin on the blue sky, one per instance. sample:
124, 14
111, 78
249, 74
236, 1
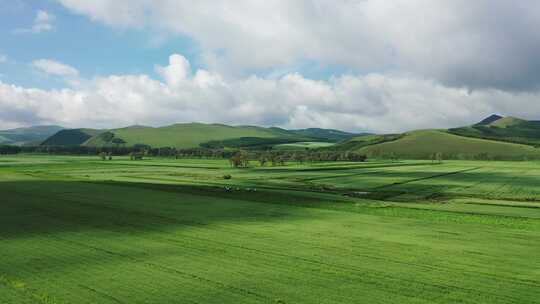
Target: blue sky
358, 65
92, 48
95, 49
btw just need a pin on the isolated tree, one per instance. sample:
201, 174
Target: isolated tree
135, 155
240, 159
439, 157
263, 159
298, 157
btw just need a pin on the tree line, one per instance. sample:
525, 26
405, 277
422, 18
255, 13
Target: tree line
242, 158
238, 157
268, 157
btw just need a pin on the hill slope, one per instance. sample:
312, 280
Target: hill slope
490, 119
325, 134
358, 142
71, 137
30, 135
509, 129
184, 136
422, 144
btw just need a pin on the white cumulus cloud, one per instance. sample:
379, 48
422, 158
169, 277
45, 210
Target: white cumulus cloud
372, 102
55, 68
43, 22
460, 43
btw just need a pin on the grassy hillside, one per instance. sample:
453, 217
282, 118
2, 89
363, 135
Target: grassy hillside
325, 134
303, 145
422, 144
30, 135
359, 142
183, 136
509, 129
71, 137
488, 120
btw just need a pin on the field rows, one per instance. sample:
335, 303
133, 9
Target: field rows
83, 232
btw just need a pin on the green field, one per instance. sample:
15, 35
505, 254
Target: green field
303, 145
80, 230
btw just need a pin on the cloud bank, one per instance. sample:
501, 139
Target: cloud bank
410, 64
373, 102
460, 43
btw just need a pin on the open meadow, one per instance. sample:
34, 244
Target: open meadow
81, 230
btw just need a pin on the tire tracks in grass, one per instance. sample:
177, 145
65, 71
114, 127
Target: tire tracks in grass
223, 286
101, 294
427, 177
336, 168
509, 181
377, 169
358, 272
534, 284
372, 276
503, 205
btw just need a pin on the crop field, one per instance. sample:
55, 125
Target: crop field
82, 230
303, 145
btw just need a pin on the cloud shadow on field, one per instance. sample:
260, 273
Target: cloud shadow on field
30, 208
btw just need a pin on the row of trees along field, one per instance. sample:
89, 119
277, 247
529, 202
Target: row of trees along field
323, 154
242, 158
237, 156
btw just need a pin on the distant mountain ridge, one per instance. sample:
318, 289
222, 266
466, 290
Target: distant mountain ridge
490, 119
193, 135
29, 135
71, 137
326, 134
495, 137
508, 129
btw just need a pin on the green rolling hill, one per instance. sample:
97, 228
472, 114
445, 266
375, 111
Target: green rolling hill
325, 134
181, 136
509, 129
194, 135
26, 136
422, 144
356, 143
71, 137
495, 137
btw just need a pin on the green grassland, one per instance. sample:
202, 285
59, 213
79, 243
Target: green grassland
182, 135
303, 145
359, 142
508, 129
421, 144
81, 230
194, 135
